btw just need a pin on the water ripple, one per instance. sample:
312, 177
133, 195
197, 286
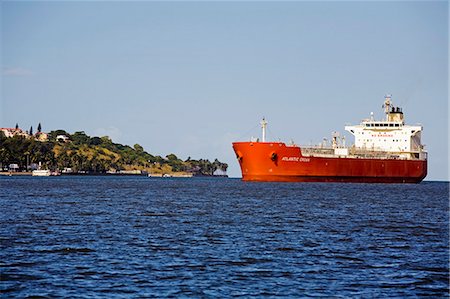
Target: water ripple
140, 237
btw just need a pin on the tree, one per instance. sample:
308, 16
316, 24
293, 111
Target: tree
39, 128
95, 141
17, 126
171, 157
106, 140
80, 138
138, 148
31, 130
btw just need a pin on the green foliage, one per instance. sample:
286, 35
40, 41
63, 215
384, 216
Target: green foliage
138, 148
205, 167
94, 154
95, 141
171, 157
80, 138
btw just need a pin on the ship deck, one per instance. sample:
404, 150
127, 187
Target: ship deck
358, 153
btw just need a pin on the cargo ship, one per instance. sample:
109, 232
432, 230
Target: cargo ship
384, 151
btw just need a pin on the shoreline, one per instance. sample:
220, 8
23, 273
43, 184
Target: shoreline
168, 175
9, 173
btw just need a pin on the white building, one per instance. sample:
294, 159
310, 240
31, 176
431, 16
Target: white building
62, 138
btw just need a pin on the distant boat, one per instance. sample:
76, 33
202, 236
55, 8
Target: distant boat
41, 173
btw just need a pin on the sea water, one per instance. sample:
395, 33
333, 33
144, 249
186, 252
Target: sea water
87, 237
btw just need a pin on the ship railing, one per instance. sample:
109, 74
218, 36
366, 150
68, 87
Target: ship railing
401, 155
361, 153
317, 151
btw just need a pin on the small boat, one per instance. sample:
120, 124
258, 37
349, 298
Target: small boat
41, 172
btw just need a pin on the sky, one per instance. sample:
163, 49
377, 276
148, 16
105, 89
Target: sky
190, 78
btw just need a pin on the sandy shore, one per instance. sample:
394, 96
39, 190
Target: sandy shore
14, 173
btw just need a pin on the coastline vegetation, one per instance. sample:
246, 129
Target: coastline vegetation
84, 154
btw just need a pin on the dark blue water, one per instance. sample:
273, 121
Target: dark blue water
139, 237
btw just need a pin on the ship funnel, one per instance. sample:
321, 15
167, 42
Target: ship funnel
393, 114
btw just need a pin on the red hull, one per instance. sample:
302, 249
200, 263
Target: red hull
274, 161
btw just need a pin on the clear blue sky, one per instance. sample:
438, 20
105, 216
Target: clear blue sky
189, 78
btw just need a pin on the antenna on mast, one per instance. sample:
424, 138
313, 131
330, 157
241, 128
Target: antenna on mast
387, 105
263, 126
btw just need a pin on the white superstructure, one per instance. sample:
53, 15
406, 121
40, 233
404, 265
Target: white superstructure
389, 135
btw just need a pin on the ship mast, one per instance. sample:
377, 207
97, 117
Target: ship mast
387, 105
263, 127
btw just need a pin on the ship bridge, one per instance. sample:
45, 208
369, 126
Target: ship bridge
390, 135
